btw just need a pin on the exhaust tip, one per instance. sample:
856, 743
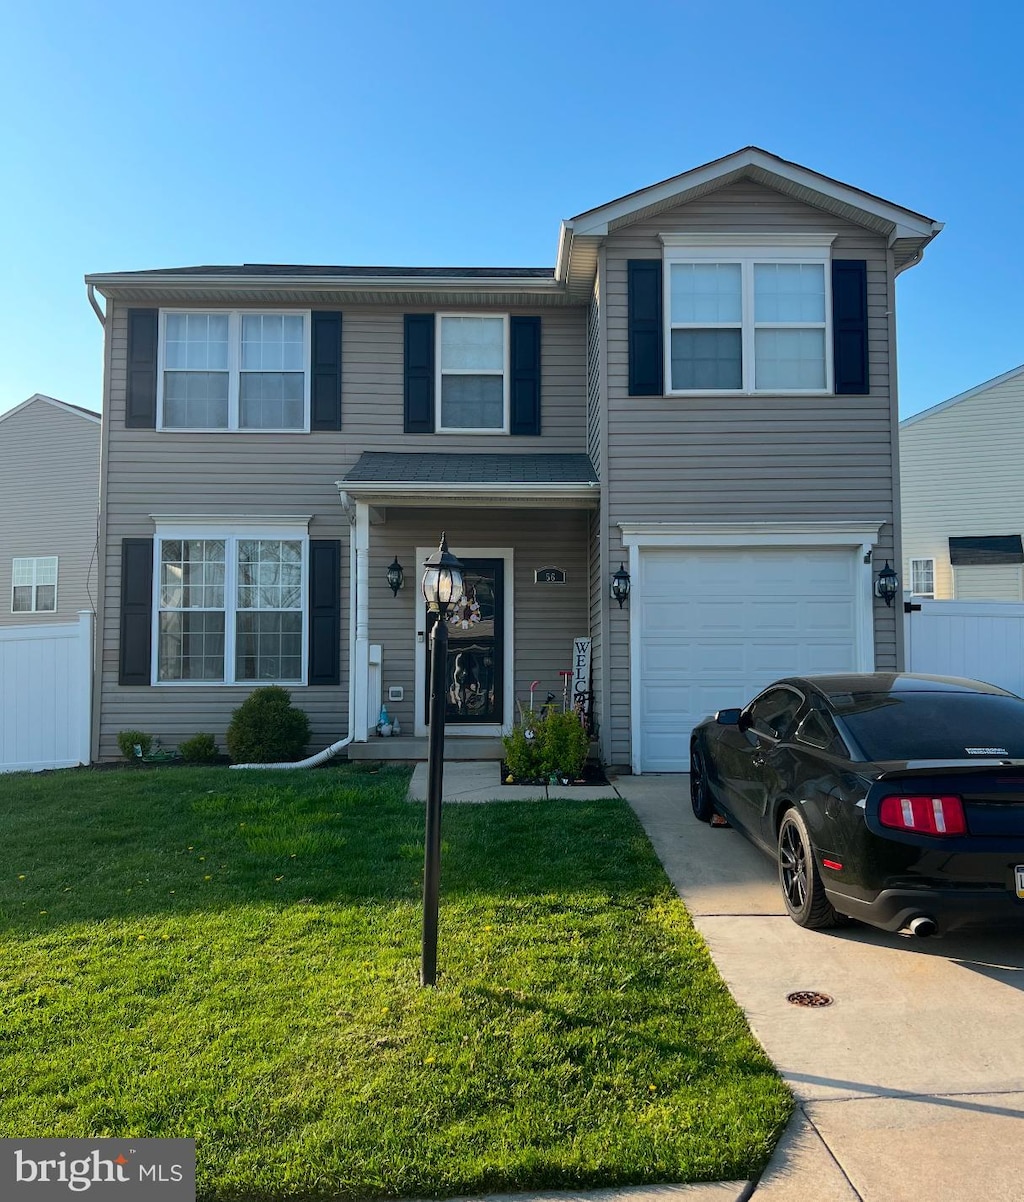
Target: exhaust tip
923, 926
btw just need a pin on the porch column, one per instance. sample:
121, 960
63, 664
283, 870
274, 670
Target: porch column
361, 667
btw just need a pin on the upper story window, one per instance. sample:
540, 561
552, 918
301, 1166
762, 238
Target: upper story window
472, 374
747, 318
34, 585
236, 370
922, 577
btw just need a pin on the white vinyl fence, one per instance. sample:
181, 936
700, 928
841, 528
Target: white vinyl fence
45, 695
983, 640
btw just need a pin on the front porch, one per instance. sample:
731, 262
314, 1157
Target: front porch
522, 525
408, 750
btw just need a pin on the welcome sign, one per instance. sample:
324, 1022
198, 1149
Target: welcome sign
581, 676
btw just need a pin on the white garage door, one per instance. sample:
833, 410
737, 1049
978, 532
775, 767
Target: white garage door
717, 625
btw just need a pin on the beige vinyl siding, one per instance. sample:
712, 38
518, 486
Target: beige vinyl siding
594, 382
49, 496
998, 582
745, 458
961, 475
251, 474
596, 600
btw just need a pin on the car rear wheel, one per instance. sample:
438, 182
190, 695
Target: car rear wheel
700, 795
802, 889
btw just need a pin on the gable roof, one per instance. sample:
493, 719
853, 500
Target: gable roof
571, 280
907, 232
69, 408
963, 396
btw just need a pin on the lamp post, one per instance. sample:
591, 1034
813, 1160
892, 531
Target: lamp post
442, 586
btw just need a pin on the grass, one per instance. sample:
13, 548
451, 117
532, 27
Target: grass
233, 957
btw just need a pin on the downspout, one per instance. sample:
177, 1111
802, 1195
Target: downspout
321, 757
91, 293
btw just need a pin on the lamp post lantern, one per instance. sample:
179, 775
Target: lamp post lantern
442, 586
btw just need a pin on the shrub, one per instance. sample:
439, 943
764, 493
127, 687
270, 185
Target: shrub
564, 745
559, 746
522, 754
200, 749
267, 728
128, 740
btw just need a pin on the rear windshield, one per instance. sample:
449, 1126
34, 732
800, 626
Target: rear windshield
933, 726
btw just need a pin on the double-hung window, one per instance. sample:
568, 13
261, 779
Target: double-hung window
922, 577
230, 606
34, 585
747, 318
472, 374
235, 370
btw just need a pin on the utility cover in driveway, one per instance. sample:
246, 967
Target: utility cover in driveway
717, 625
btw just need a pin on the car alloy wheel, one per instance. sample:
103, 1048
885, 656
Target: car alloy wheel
700, 795
802, 889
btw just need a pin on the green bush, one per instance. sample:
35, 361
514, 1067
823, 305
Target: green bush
558, 747
128, 740
564, 745
522, 754
266, 728
200, 749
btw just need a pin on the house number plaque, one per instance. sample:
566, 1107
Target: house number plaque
549, 576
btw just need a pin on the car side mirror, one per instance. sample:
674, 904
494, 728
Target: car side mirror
729, 718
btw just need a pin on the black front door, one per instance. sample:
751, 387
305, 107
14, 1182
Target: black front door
476, 647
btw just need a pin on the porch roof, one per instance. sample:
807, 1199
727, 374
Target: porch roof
395, 478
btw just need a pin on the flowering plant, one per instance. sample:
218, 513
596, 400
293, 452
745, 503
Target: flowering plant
466, 613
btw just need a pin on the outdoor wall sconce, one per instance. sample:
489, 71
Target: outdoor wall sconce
887, 584
620, 585
396, 577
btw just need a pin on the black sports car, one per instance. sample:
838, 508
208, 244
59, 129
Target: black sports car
895, 799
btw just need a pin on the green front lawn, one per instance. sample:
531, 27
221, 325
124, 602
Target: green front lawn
233, 957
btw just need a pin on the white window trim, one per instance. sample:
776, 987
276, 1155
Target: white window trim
439, 373
234, 317
230, 530
793, 248
35, 561
922, 559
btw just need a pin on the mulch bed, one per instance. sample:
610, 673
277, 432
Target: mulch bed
592, 774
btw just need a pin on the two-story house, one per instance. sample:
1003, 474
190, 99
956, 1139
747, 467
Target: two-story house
49, 498
702, 390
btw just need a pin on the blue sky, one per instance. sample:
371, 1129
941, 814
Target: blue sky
140, 136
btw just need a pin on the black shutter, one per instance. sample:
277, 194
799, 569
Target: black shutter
646, 348
324, 611
850, 326
140, 411
419, 373
524, 353
325, 386
134, 664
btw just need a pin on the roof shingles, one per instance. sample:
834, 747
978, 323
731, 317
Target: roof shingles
386, 467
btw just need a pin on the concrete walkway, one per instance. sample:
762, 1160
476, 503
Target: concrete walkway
910, 1086
478, 781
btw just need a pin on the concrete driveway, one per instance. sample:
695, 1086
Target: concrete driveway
910, 1086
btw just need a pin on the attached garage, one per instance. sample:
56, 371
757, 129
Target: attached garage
718, 614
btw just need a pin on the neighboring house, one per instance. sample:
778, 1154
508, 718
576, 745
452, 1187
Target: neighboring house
963, 494
49, 501
701, 389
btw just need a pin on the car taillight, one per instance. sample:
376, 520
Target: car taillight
925, 815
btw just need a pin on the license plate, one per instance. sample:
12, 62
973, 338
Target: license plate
1018, 874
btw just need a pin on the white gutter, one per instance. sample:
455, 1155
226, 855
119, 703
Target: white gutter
91, 293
